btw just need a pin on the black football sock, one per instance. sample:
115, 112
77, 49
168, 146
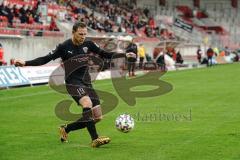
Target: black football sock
92, 129
87, 114
79, 124
85, 121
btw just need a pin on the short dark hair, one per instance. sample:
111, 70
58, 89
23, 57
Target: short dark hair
78, 25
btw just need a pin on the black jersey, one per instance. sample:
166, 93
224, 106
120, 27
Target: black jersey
69, 53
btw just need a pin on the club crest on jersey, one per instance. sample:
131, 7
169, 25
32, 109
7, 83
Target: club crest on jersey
85, 49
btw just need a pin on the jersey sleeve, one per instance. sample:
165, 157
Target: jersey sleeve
54, 54
102, 53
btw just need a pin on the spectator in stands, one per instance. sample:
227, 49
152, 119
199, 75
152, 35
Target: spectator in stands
157, 32
131, 53
2, 62
121, 28
7, 12
22, 10
92, 23
15, 11
1, 9
210, 54
38, 18
107, 26
199, 55
53, 25
100, 27
30, 19
23, 14
148, 31
164, 34
118, 20
146, 12
151, 23
141, 54
29, 10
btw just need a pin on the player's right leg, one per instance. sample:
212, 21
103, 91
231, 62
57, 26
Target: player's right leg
77, 92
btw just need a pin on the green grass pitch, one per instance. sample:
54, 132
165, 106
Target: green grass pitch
200, 121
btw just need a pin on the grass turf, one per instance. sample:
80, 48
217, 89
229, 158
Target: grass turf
198, 119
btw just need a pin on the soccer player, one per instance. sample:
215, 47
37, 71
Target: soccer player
78, 81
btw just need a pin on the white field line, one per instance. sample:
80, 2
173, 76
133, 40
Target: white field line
36, 94
26, 95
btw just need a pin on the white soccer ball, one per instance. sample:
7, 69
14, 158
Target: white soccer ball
124, 123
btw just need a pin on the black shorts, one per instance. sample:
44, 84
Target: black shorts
81, 90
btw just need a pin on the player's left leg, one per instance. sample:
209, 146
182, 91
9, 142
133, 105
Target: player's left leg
96, 109
97, 116
97, 113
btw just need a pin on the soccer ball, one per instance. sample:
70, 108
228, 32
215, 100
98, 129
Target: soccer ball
124, 123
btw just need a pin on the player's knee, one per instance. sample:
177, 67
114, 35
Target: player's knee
86, 102
97, 113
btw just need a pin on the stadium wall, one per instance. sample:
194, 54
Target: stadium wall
28, 48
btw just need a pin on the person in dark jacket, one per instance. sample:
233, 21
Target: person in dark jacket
131, 54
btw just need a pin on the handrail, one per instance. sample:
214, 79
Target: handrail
30, 32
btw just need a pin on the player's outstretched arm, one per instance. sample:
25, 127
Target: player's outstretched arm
35, 62
54, 54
